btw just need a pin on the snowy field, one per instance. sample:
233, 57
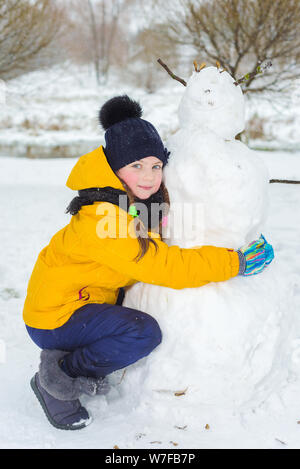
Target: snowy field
53, 112
35, 197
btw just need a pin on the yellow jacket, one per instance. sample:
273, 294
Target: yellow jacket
81, 265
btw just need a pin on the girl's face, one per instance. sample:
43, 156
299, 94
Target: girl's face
143, 177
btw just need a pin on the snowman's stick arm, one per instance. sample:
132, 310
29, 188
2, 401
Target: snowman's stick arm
181, 80
284, 181
251, 75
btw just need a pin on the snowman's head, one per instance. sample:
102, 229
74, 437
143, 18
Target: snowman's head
212, 101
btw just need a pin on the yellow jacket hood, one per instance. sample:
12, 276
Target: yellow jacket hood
93, 170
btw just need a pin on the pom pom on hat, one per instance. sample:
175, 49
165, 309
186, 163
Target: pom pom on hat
118, 109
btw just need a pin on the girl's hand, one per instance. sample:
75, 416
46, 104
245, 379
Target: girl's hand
269, 251
254, 257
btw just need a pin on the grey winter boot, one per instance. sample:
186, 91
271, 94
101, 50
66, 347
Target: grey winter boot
58, 393
102, 386
58, 383
65, 415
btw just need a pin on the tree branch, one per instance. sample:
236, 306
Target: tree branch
283, 181
171, 73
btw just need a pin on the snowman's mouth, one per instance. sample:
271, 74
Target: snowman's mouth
210, 105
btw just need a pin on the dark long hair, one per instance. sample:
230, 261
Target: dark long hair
140, 230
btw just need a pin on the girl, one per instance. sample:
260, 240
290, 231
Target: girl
73, 309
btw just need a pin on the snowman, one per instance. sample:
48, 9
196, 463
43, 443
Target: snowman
223, 343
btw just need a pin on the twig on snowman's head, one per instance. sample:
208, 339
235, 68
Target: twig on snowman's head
183, 82
257, 71
200, 67
219, 66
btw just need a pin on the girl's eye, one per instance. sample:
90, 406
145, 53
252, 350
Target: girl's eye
137, 165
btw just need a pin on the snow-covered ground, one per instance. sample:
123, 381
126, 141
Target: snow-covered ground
35, 197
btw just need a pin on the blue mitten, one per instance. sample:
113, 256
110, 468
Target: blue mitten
269, 251
254, 257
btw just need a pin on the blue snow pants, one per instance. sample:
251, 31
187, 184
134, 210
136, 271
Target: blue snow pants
101, 338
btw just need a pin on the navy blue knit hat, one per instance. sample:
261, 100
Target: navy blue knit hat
128, 138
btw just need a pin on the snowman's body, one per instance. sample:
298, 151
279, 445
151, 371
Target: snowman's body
220, 341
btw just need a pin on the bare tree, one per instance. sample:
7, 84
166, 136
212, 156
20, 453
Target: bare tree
95, 34
28, 29
241, 35
145, 47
